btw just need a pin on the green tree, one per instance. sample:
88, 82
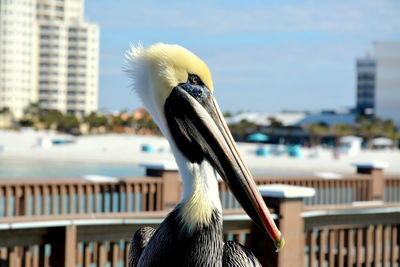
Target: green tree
25, 122
146, 122
95, 120
68, 124
317, 131
54, 119
228, 114
369, 128
275, 123
32, 111
389, 129
51, 118
243, 128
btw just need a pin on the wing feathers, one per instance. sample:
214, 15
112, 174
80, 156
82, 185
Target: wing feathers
138, 244
236, 255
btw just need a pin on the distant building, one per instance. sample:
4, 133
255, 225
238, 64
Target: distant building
365, 68
387, 95
328, 119
18, 53
296, 118
378, 82
293, 124
287, 118
139, 113
48, 54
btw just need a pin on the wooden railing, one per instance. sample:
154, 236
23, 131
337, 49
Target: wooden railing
96, 252
328, 192
353, 236
38, 197
357, 245
77, 196
88, 253
392, 189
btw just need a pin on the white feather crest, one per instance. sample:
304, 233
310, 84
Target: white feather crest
132, 65
134, 52
137, 70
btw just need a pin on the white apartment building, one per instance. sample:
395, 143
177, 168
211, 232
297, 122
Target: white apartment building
18, 53
64, 54
387, 94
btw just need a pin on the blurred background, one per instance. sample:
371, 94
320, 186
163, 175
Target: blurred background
301, 74
309, 89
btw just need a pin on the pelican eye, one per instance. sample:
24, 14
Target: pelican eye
194, 79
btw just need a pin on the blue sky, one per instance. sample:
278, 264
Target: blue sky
264, 55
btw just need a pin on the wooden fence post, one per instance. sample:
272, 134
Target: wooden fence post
168, 171
287, 202
70, 246
63, 242
172, 190
375, 169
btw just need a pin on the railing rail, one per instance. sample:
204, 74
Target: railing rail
328, 192
332, 191
392, 189
39, 218
353, 236
35, 198
361, 246
38, 197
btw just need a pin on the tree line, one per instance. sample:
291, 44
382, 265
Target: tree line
39, 118
366, 127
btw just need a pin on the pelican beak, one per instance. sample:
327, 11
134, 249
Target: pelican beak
200, 132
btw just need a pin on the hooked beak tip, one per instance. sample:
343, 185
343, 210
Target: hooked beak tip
279, 244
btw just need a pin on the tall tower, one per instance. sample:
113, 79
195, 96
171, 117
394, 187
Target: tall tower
365, 85
48, 54
68, 58
18, 50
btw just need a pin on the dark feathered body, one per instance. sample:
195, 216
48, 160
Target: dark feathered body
138, 243
173, 245
236, 255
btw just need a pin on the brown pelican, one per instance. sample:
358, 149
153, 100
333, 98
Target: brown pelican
176, 88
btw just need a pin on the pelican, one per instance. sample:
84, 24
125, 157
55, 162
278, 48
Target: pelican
176, 88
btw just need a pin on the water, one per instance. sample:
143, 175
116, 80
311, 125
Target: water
24, 169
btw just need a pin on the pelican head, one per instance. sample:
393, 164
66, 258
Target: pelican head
177, 89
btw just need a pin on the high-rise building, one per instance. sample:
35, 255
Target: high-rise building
62, 50
378, 82
387, 95
365, 68
18, 53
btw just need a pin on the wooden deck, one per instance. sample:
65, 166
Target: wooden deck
352, 221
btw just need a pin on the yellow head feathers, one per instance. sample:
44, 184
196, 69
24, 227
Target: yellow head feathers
156, 70
175, 63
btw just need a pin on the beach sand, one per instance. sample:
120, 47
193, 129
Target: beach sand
28, 144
